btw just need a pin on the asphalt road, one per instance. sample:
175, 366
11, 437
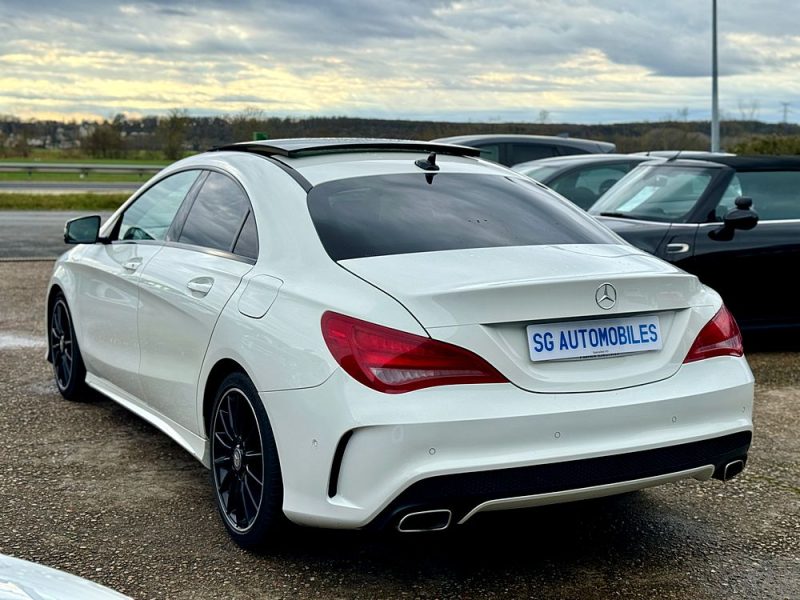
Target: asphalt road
68, 187
35, 234
89, 488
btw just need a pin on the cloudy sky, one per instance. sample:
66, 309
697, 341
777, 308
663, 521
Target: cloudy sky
590, 61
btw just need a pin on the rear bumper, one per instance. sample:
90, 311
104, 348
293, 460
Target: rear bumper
467, 494
354, 458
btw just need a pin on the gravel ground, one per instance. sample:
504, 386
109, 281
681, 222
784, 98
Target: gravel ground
91, 489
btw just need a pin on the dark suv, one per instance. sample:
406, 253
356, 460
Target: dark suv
512, 149
733, 221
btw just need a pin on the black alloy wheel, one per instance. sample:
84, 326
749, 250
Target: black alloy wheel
68, 367
244, 464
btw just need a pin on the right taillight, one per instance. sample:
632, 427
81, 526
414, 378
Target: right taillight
719, 337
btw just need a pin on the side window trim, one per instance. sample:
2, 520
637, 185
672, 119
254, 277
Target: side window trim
241, 227
210, 251
247, 252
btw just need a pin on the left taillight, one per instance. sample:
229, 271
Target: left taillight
394, 362
719, 337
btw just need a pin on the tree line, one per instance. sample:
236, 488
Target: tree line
178, 133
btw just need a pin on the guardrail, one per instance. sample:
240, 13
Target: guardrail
82, 168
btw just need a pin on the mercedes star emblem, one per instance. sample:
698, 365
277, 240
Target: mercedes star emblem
606, 296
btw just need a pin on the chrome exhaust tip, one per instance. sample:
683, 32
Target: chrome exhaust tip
426, 520
732, 469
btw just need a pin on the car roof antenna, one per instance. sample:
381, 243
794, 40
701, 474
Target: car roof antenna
675, 156
429, 164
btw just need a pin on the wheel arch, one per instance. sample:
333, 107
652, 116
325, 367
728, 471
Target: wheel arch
55, 290
221, 369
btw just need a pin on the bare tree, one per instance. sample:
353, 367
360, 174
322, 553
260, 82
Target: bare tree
21, 146
172, 132
544, 116
245, 123
105, 141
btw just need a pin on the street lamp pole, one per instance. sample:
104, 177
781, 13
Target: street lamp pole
714, 77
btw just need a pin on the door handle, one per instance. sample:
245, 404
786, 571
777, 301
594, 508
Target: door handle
132, 265
201, 285
677, 248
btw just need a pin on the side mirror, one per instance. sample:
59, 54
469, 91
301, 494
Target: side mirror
742, 217
83, 230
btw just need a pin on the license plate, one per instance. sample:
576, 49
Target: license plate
592, 339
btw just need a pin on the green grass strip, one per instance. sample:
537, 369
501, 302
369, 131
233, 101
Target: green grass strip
53, 157
61, 201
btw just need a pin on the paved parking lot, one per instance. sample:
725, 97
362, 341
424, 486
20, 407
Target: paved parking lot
89, 488
36, 233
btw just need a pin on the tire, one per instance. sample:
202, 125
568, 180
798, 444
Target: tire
68, 367
245, 471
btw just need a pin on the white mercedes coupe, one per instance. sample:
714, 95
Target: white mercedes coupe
360, 333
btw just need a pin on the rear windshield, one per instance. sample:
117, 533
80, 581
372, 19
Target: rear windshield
400, 214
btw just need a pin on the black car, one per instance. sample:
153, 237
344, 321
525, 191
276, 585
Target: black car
512, 149
581, 178
734, 222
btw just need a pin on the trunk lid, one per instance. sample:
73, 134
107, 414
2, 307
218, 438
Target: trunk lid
483, 299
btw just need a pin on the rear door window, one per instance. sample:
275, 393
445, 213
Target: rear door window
524, 152
775, 194
217, 214
490, 152
405, 213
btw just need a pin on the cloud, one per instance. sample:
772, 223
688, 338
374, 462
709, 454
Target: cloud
463, 59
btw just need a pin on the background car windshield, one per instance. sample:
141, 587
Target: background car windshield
655, 193
399, 214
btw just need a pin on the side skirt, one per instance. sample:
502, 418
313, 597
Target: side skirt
196, 446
